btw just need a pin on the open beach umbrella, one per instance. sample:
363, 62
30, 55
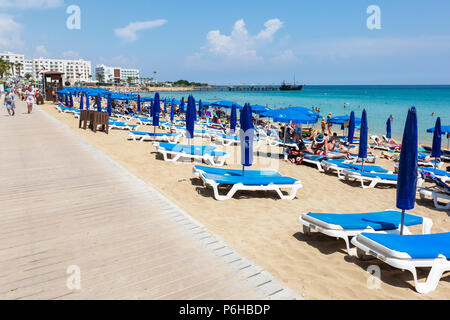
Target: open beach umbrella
362, 153
190, 118
444, 130
87, 101
351, 127
99, 103
225, 104
139, 103
407, 170
259, 109
109, 106
233, 119
156, 111
246, 134
81, 102
172, 110
437, 136
182, 105
388, 129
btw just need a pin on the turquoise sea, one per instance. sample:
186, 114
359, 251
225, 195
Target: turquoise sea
379, 102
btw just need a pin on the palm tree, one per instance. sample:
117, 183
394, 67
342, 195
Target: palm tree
19, 66
12, 65
28, 76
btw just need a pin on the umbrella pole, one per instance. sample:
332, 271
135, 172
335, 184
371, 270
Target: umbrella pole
362, 166
403, 220
243, 170
284, 140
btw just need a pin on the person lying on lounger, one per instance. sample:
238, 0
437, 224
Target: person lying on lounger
320, 147
390, 143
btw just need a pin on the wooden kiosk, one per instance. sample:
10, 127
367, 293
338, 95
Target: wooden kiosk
52, 83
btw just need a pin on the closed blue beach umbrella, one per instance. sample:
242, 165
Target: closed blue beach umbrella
233, 119
66, 100
362, 153
81, 102
109, 107
139, 103
172, 110
99, 103
388, 128
437, 136
87, 101
407, 170
200, 108
71, 100
156, 111
190, 117
182, 105
351, 127
61, 97
246, 133
165, 106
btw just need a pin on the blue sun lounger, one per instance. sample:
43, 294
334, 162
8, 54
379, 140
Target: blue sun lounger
122, 125
372, 177
143, 136
346, 226
252, 183
174, 152
197, 170
409, 252
339, 166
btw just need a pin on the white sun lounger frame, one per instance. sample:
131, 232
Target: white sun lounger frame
173, 156
239, 186
402, 260
334, 230
373, 180
147, 137
435, 196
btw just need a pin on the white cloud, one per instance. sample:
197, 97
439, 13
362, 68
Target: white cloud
28, 4
272, 26
287, 57
128, 33
10, 33
70, 55
42, 51
237, 48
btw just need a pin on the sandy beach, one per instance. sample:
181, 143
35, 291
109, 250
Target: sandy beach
265, 228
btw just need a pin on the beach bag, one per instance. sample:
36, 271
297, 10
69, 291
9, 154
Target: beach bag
295, 157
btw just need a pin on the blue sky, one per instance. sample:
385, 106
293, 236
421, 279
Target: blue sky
322, 42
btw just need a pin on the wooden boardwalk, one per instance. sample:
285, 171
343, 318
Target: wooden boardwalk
64, 203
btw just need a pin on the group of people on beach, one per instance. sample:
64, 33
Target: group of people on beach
26, 93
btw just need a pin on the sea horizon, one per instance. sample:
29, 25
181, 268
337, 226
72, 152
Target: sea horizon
380, 101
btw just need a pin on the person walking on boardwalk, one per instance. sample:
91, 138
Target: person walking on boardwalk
9, 102
29, 94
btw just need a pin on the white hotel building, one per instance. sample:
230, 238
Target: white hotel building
73, 70
116, 75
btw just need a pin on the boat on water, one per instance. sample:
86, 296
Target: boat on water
288, 87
